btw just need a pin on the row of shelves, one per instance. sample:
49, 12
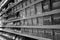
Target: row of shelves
26, 6
30, 36
37, 21
14, 36
35, 33
23, 15
44, 14
15, 4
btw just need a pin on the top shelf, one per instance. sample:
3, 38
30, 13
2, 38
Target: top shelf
22, 8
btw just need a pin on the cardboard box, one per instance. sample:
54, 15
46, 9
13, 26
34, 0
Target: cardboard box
57, 35
49, 33
47, 20
40, 21
32, 8
28, 12
28, 2
35, 21
56, 5
56, 19
46, 5
39, 8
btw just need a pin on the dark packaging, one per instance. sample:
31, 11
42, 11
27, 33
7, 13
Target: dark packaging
46, 5
47, 20
49, 33
56, 19
55, 4
57, 35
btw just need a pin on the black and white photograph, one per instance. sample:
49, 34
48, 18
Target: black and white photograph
29, 19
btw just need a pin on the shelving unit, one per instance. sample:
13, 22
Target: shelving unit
37, 19
39, 38
44, 14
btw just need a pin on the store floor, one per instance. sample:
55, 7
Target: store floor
4, 38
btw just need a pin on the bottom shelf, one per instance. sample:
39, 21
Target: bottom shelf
34, 37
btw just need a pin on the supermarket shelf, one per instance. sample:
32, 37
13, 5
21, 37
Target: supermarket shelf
44, 26
29, 5
40, 38
43, 14
22, 8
